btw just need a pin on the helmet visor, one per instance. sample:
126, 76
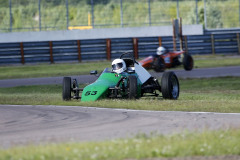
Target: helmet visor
117, 66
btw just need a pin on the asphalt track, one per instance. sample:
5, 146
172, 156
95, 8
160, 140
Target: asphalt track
195, 73
23, 125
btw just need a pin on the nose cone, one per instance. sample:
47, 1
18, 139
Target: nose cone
100, 88
95, 91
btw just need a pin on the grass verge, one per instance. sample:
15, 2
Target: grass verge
50, 70
66, 69
207, 61
203, 95
207, 143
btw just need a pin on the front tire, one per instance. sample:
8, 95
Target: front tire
188, 62
170, 86
159, 65
132, 87
66, 88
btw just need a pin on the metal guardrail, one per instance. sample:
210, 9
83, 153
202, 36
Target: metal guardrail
107, 49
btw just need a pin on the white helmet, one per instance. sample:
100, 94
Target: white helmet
161, 51
118, 66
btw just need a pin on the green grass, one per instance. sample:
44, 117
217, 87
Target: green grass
66, 69
50, 70
209, 95
207, 143
205, 61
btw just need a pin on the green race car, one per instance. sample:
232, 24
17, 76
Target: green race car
127, 79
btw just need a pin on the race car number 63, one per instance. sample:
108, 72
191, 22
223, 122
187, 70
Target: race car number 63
90, 93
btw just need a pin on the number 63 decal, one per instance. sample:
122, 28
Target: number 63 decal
90, 93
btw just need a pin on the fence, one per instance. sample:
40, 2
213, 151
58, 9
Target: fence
212, 42
39, 15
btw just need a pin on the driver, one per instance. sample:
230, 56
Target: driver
161, 51
118, 66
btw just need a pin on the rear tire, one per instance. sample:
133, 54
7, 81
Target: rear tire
188, 62
170, 86
132, 87
159, 65
66, 88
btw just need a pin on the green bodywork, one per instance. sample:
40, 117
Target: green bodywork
100, 88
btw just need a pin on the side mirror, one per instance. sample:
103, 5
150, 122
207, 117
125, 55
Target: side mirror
94, 72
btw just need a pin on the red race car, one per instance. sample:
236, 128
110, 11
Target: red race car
163, 59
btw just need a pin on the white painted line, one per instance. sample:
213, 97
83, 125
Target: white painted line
122, 110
